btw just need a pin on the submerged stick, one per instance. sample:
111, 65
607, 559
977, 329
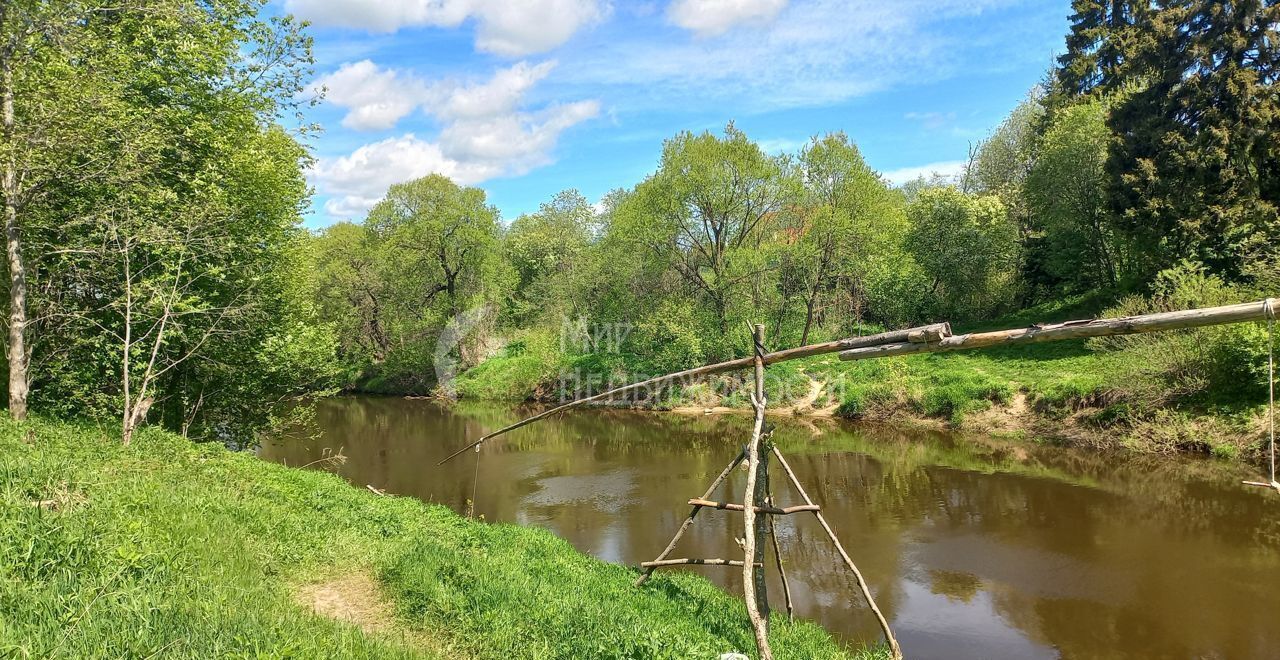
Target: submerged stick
782, 572
696, 562
688, 521
857, 574
922, 333
765, 509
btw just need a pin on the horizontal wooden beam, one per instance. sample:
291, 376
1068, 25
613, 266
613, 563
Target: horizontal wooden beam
1125, 325
930, 338
695, 562
921, 334
773, 510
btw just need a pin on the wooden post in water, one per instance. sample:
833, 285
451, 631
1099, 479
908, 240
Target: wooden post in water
754, 587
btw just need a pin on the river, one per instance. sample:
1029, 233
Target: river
974, 547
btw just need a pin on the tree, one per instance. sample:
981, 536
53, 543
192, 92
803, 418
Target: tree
547, 249
968, 248
349, 292
1193, 171
58, 104
851, 221
155, 192
437, 236
1097, 47
1196, 170
1066, 192
707, 213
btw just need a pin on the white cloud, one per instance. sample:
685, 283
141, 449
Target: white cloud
485, 132
949, 170
506, 27
712, 17
375, 98
498, 96
812, 53
515, 28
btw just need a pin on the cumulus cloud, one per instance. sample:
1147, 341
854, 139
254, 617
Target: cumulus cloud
947, 170
377, 98
485, 131
503, 27
712, 17
812, 53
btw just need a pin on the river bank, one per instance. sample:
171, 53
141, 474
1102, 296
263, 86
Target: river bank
959, 535
1065, 393
168, 548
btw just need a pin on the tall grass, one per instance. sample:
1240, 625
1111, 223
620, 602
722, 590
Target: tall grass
168, 549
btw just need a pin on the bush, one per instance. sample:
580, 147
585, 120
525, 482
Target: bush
1210, 368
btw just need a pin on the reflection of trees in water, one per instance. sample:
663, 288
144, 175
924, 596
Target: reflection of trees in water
1092, 554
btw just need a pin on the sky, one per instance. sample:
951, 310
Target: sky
525, 98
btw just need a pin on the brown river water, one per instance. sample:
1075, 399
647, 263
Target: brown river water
974, 547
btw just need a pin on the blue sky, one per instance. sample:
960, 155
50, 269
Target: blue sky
527, 98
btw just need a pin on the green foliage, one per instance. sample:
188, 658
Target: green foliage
1221, 367
427, 253
967, 246
162, 247
1066, 190
187, 550
1192, 171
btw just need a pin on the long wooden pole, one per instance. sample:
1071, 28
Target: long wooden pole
1126, 325
753, 583
920, 334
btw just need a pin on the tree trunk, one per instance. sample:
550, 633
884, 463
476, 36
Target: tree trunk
17, 269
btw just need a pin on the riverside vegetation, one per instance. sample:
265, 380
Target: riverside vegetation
159, 280
174, 286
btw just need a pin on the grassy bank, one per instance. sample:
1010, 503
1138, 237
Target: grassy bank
1198, 391
169, 549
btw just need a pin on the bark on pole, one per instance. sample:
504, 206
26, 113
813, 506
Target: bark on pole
1126, 325
753, 584
17, 348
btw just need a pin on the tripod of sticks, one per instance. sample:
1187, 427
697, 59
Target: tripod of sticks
758, 501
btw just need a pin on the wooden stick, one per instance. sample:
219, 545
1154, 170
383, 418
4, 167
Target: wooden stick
772, 510
696, 562
1127, 325
862, 584
1274, 484
935, 329
688, 521
782, 572
753, 584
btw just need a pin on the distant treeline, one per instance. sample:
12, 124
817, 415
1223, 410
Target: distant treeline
151, 179
1153, 147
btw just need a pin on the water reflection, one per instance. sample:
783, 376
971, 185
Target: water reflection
974, 548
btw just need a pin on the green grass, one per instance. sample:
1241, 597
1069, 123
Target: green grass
168, 549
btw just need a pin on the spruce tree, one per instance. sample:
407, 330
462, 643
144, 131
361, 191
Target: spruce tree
1195, 167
